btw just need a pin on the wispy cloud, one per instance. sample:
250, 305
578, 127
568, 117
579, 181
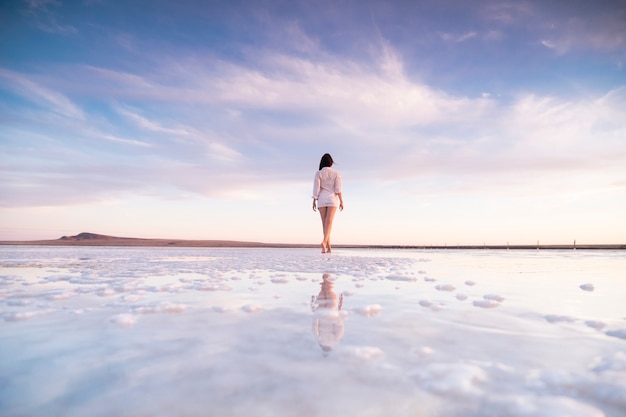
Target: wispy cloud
458, 38
602, 32
125, 141
563, 27
43, 15
377, 106
38, 94
150, 125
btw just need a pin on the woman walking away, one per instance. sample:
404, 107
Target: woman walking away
327, 197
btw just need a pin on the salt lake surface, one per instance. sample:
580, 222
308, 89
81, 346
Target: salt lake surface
291, 332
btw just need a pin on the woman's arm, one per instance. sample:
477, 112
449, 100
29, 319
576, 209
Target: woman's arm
317, 187
338, 190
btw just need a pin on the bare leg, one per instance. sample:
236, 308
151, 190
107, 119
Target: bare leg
323, 211
327, 214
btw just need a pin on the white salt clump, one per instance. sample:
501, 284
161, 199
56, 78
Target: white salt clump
423, 352
371, 310
220, 309
489, 301
461, 297
401, 278
125, 287
431, 305
617, 362
124, 320
163, 307
609, 385
587, 287
421, 272
24, 315
252, 308
556, 318
18, 303
364, 353
280, 280
598, 325
169, 307
547, 406
105, 292
428, 279
55, 278
61, 296
213, 287
359, 285
348, 293
145, 310
445, 287
452, 380
301, 278
167, 288
425, 303
486, 303
470, 283
611, 389
610, 392
621, 333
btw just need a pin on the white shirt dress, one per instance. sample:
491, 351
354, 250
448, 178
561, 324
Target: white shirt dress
326, 187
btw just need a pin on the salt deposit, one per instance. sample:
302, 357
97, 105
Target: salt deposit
282, 332
445, 287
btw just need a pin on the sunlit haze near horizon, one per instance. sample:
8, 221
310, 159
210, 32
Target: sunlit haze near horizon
451, 122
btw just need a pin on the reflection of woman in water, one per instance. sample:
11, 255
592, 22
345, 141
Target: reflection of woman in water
327, 196
328, 324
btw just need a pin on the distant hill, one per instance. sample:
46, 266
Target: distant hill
95, 239
88, 236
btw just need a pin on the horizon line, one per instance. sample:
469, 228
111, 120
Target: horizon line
93, 239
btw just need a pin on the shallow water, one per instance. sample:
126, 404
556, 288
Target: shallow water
284, 332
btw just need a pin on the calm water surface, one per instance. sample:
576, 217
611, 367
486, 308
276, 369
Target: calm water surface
284, 332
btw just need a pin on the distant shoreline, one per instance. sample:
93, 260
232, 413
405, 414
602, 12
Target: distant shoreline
92, 239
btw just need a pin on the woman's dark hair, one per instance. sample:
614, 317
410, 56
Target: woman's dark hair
327, 161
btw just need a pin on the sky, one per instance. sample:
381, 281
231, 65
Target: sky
451, 122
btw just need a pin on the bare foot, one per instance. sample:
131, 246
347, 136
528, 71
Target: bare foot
328, 248
323, 248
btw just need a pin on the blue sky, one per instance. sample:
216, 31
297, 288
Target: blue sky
452, 122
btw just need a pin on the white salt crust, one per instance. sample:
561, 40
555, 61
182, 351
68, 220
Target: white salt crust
127, 331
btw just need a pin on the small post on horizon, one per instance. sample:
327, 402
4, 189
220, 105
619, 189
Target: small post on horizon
574, 244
